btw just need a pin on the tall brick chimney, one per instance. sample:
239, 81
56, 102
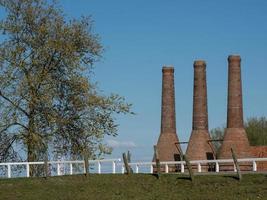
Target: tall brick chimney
168, 144
200, 146
235, 135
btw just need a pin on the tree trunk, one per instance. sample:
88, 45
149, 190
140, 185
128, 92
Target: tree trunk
31, 140
32, 155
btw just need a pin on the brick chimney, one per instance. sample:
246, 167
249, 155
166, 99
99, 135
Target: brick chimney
168, 147
235, 135
200, 146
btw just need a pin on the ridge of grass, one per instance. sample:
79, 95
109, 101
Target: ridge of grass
136, 186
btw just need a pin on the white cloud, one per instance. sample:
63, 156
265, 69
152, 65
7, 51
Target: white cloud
121, 144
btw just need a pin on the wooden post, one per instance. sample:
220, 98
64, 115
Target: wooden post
156, 155
86, 163
129, 156
46, 167
126, 164
236, 165
188, 164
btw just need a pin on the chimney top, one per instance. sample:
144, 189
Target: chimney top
199, 63
169, 69
234, 58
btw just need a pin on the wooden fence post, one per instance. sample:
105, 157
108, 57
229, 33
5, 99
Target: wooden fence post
86, 163
46, 167
190, 170
236, 165
156, 156
129, 156
126, 164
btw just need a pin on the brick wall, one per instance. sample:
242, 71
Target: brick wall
260, 152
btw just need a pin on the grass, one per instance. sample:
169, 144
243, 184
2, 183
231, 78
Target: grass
137, 186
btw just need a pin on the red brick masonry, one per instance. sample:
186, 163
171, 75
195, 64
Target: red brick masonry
200, 147
235, 135
260, 152
168, 144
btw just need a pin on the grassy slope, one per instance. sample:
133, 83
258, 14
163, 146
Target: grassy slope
139, 186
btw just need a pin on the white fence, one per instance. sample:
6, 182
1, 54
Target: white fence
61, 165
199, 163
147, 167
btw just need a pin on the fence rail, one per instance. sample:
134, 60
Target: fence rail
116, 163
59, 164
198, 163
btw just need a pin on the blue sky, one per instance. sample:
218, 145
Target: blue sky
141, 36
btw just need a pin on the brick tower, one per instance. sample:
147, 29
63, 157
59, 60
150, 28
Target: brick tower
200, 146
168, 146
235, 135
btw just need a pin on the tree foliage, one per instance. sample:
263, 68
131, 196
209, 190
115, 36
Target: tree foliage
217, 137
256, 129
47, 101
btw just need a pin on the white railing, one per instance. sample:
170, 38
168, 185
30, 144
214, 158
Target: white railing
59, 165
198, 163
136, 166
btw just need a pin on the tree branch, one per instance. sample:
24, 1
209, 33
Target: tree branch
9, 144
15, 105
14, 124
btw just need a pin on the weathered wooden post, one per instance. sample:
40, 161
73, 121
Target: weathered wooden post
86, 163
156, 156
129, 156
126, 164
188, 164
236, 165
46, 167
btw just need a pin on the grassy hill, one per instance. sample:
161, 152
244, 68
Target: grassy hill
138, 186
